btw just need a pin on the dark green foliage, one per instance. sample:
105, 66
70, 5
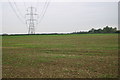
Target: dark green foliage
104, 30
109, 30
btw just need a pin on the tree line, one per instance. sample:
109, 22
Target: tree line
106, 29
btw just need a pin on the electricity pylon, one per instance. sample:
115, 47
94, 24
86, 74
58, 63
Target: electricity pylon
32, 19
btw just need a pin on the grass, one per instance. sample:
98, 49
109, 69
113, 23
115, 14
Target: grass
60, 56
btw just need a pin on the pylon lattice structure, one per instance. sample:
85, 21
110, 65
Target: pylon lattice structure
32, 19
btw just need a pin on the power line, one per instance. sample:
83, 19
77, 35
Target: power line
18, 9
15, 12
37, 3
24, 4
42, 9
39, 16
45, 9
32, 19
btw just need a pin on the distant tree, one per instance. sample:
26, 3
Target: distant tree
92, 30
99, 31
104, 30
80, 32
4, 34
114, 29
118, 31
109, 30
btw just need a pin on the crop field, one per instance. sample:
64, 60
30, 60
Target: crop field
60, 56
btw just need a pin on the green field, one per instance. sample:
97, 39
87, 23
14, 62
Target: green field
60, 56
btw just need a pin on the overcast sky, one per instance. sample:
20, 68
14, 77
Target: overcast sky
61, 16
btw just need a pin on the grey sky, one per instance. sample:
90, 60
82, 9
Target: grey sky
63, 16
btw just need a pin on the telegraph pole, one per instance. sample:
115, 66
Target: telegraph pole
31, 21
